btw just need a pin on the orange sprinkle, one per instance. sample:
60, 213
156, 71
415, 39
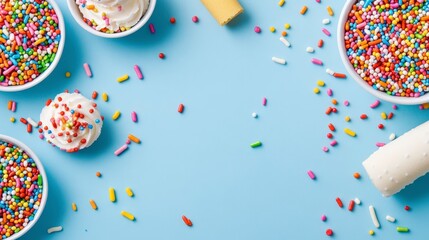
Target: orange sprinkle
303, 10
356, 175
375, 42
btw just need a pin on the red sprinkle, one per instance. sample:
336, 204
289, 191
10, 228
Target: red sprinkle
187, 221
339, 202
94, 95
320, 43
161, 55
329, 232
329, 135
390, 116
195, 19
363, 116
351, 205
23, 120
29, 128
172, 20
181, 108
328, 110
340, 75
334, 110
407, 208
380, 126
331, 127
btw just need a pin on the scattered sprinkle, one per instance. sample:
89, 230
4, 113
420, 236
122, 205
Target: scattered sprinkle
128, 215
112, 195
278, 60
74, 207
181, 108
116, 115
339, 202
187, 221
402, 229
374, 216
390, 219
256, 144
195, 19
55, 229
93, 204
303, 10
87, 69
311, 175
123, 78
129, 192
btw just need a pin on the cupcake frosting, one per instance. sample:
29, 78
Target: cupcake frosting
113, 14
71, 122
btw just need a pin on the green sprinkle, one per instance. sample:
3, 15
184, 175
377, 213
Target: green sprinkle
402, 229
39, 180
256, 144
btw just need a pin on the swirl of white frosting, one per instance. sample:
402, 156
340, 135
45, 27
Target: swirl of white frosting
113, 14
71, 122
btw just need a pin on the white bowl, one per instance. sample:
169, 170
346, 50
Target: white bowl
379, 94
39, 165
77, 15
51, 68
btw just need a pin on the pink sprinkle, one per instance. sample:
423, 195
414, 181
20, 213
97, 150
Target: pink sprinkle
257, 29
394, 107
41, 136
346, 103
31, 188
13, 109
134, 116
375, 104
325, 149
326, 32
394, 5
9, 70
316, 61
333, 143
121, 150
329, 92
195, 19
264, 101
138, 72
87, 70
311, 174
324, 218
128, 142
152, 28
380, 144
361, 25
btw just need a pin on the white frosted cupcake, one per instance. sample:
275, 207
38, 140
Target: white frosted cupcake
71, 122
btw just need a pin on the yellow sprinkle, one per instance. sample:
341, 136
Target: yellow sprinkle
272, 29
105, 97
330, 11
93, 204
133, 138
112, 195
129, 192
68, 74
303, 10
349, 132
281, 3
128, 215
383, 115
123, 78
39, 41
12, 119
287, 26
371, 232
334, 101
316, 90
320, 83
74, 207
116, 115
347, 119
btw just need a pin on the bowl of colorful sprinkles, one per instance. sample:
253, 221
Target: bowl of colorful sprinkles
112, 18
32, 36
24, 188
384, 46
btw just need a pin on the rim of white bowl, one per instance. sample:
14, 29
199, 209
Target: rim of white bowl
381, 95
53, 65
77, 15
39, 165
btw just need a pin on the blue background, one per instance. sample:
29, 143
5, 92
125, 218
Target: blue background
199, 163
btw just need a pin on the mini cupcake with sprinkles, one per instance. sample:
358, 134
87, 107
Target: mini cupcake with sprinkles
71, 122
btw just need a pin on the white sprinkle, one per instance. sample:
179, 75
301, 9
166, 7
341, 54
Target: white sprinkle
286, 42
55, 229
390, 219
279, 60
32, 122
255, 115
326, 21
309, 50
357, 201
330, 71
392, 137
374, 216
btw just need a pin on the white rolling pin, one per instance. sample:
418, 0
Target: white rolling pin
399, 163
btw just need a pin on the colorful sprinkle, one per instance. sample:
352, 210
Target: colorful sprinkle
128, 215
311, 174
87, 69
120, 150
129, 192
93, 204
134, 116
374, 216
181, 108
303, 10
256, 144
138, 72
123, 78
55, 229
112, 195
187, 221
74, 207
116, 115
